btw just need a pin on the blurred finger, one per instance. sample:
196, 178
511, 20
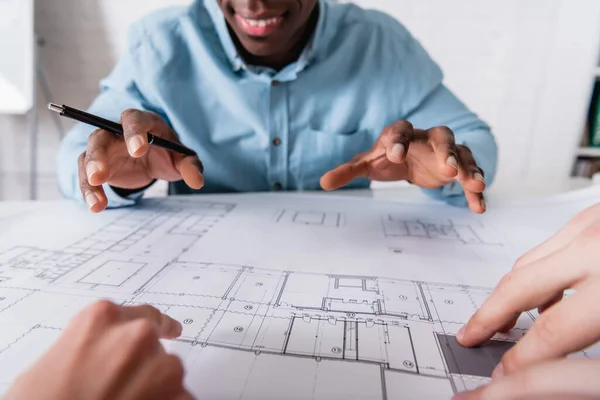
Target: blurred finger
94, 196
396, 140
159, 378
560, 239
520, 290
345, 173
167, 327
96, 159
553, 301
167, 375
444, 146
127, 348
190, 168
564, 380
470, 175
136, 125
476, 201
185, 395
552, 335
471, 179
511, 323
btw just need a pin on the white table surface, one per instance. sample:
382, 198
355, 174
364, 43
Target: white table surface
400, 192
404, 192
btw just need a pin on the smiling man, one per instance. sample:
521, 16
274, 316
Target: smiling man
277, 95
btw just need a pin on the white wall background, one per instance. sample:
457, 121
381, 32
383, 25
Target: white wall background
526, 66
17, 43
83, 39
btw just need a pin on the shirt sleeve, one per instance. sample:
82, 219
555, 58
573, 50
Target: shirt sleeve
118, 92
442, 108
427, 102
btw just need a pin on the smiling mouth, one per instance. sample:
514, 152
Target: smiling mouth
259, 26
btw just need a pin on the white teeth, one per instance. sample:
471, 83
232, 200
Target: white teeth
261, 22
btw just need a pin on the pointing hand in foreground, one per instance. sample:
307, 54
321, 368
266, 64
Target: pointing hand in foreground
537, 367
108, 352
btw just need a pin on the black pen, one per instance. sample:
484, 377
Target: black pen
115, 128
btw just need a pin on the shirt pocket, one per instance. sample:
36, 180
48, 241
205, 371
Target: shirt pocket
318, 151
231, 132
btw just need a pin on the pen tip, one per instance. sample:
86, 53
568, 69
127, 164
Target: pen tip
55, 107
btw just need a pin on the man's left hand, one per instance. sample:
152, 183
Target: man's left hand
429, 159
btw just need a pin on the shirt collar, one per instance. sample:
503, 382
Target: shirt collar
308, 55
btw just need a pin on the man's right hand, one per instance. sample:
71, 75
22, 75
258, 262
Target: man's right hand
129, 163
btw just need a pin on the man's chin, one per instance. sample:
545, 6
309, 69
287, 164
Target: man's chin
259, 46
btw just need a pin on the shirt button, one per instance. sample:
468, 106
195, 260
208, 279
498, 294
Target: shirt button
277, 186
275, 83
276, 141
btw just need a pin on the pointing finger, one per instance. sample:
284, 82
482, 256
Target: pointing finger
345, 173
552, 335
516, 293
166, 326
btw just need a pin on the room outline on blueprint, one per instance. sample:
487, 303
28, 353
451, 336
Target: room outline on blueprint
259, 331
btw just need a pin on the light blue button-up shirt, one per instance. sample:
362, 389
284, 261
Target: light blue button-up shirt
256, 129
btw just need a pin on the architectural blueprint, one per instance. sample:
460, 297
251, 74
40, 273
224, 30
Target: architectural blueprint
280, 296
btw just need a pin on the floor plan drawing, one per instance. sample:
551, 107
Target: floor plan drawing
113, 273
399, 327
105, 256
402, 327
462, 240
315, 218
264, 324
397, 226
